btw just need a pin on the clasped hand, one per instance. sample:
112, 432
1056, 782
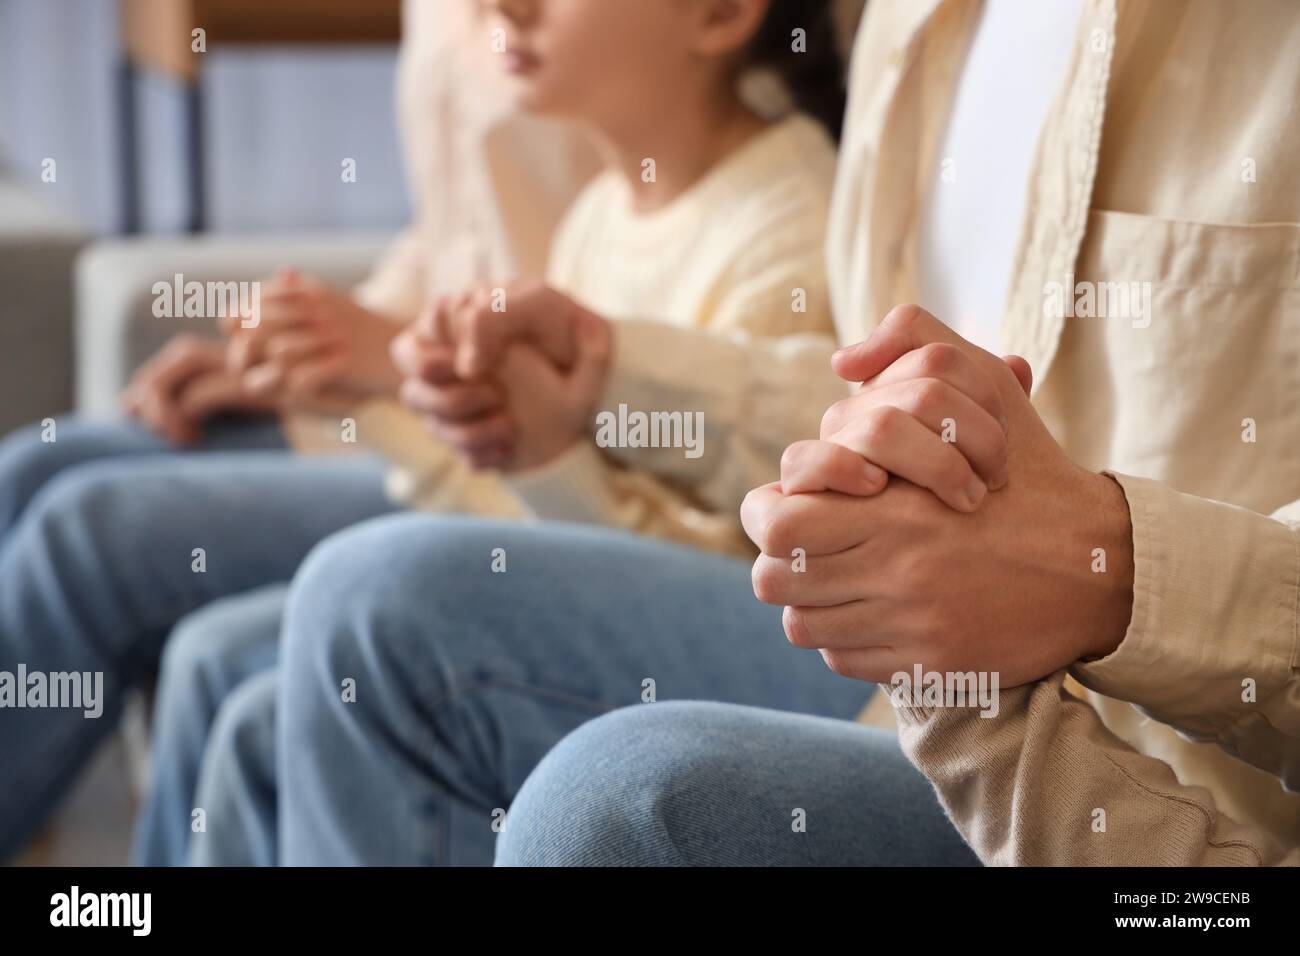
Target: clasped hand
509, 377
977, 552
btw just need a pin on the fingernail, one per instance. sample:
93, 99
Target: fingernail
1006, 425
875, 474
975, 492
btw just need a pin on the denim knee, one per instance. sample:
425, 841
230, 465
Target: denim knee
207, 653
243, 733
191, 666
236, 788
380, 595
609, 792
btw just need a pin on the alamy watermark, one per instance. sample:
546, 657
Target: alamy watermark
133, 911
82, 690
922, 688
208, 300
1098, 300
636, 429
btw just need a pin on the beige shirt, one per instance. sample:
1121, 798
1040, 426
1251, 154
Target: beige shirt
1169, 159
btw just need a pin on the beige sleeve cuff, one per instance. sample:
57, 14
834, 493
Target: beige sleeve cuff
641, 375
571, 487
1212, 644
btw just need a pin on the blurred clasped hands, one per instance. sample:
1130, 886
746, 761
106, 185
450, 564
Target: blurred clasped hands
313, 348
507, 376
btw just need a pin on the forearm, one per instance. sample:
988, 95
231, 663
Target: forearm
754, 396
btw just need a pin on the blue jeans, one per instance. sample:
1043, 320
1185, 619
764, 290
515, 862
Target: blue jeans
209, 654
237, 784
706, 784
100, 561
420, 687
27, 463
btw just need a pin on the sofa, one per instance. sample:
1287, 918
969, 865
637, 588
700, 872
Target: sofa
38, 248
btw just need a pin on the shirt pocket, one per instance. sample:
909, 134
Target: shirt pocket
1205, 361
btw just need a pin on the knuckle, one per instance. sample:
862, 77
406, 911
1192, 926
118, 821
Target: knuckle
830, 422
838, 662
797, 629
765, 579
1005, 379
939, 358
793, 457
751, 515
1001, 450
920, 569
905, 317
929, 396
881, 425
779, 533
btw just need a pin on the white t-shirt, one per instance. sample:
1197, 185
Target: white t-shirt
970, 219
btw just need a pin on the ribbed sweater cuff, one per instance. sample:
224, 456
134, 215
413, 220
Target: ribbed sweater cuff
571, 487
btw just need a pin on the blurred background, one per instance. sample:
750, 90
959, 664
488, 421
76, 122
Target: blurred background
133, 147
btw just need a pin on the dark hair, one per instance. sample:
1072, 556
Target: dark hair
814, 76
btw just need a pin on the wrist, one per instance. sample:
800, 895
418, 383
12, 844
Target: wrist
1113, 594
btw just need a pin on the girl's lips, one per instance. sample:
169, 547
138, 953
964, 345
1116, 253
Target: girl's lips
520, 62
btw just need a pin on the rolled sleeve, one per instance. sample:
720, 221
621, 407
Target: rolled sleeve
1211, 648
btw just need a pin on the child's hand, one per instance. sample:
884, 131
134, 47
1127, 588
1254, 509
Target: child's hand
552, 410
312, 339
482, 324
469, 416
509, 376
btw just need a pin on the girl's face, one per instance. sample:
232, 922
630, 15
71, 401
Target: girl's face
593, 60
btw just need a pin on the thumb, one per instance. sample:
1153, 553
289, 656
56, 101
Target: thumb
1024, 374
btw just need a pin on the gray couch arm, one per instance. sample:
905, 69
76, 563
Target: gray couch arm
38, 246
115, 325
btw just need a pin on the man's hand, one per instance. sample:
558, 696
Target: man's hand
899, 578
935, 417
183, 385
508, 389
312, 340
